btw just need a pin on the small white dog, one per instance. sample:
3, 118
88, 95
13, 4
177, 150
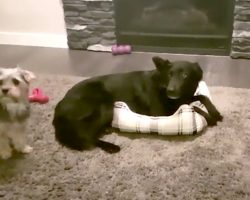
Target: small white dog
14, 110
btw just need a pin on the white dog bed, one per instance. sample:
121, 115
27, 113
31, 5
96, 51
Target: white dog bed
185, 121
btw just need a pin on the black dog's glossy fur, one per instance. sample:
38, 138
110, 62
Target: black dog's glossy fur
87, 109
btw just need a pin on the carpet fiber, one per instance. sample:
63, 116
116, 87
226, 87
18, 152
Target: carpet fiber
214, 165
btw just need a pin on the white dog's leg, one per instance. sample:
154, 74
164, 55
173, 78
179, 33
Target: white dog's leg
5, 148
20, 145
19, 140
27, 149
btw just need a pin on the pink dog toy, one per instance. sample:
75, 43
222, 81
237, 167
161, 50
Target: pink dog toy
121, 49
37, 96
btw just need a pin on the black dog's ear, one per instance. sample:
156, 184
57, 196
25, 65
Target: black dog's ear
198, 71
160, 63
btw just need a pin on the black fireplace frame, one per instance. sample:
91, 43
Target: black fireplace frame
171, 43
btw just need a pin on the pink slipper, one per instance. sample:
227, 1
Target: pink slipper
37, 96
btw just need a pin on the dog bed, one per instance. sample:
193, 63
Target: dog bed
185, 121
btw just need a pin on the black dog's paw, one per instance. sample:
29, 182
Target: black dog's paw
214, 118
220, 117
217, 116
108, 147
211, 121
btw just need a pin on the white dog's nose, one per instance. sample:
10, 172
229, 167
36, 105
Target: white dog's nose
5, 91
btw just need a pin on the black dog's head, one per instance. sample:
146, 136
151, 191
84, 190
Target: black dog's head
180, 79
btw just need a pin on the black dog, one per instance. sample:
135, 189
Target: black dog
82, 116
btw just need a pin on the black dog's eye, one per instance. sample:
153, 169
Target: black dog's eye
184, 75
15, 81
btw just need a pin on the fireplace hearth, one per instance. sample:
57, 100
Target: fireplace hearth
179, 26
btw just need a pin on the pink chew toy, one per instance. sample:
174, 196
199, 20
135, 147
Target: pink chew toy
121, 49
38, 96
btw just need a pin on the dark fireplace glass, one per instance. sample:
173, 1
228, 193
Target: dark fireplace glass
185, 24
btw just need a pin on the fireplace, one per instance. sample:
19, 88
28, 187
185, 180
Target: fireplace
178, 26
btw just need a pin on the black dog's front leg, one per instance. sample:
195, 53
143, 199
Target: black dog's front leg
209, 119
214, 114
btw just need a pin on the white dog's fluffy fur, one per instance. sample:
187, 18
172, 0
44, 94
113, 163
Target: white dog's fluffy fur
14, 110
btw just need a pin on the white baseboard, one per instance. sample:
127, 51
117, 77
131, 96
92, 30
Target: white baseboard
34, 39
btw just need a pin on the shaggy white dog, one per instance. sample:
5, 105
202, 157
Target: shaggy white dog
14, 110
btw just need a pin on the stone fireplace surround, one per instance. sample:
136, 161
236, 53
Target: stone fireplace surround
91, 25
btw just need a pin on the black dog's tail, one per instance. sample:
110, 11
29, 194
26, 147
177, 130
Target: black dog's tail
108, 147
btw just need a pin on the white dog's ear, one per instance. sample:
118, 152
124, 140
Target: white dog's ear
28, 75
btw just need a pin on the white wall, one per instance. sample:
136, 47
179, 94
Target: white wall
32, 22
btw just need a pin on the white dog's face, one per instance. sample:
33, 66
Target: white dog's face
14, 84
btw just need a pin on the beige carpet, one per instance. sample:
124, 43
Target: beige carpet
214, 165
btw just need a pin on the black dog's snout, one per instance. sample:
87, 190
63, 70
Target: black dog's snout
5, 91
173, 92
170, 89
